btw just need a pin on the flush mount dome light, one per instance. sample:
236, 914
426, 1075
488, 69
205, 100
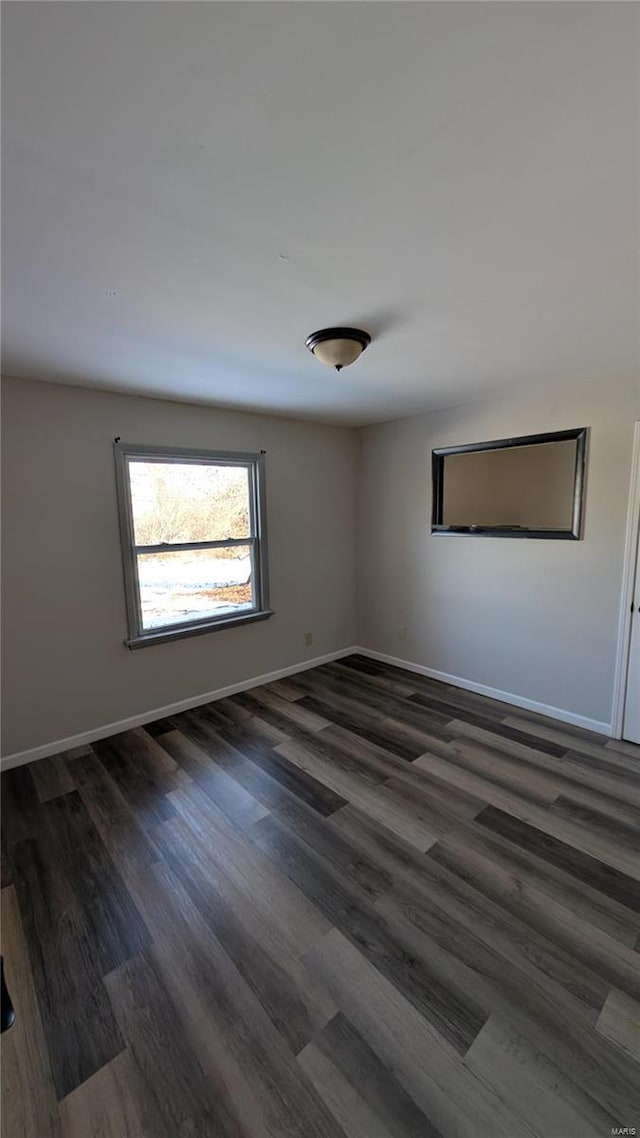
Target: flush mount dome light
338, 347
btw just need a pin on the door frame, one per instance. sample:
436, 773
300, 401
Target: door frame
626, 595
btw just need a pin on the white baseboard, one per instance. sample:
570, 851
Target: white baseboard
21, 757
493, 693
85, 737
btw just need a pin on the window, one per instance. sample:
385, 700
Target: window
193, 540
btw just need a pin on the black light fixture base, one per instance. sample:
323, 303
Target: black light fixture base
358, 334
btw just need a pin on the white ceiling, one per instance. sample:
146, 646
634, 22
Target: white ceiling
192, 188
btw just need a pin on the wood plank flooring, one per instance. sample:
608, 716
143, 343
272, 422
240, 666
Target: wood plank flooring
353, 904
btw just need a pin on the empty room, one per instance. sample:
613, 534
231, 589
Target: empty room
320, 579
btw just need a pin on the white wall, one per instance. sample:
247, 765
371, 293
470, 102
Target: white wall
537, 619
65, 667
534, 618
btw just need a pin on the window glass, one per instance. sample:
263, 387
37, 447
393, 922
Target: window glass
178, 502
194, 584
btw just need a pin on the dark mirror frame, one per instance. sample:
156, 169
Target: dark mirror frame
573, 534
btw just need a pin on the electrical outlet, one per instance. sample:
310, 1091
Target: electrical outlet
402, 633
308, 638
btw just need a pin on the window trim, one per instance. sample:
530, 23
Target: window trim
255, 462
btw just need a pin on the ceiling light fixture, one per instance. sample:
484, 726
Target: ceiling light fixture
338, 347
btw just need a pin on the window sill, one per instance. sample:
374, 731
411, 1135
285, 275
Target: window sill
164, 635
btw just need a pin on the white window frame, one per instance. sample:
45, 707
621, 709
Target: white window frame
254, 464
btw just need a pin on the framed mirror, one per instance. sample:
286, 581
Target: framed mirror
532, 486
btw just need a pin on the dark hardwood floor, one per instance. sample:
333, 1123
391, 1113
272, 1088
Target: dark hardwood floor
357, 902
